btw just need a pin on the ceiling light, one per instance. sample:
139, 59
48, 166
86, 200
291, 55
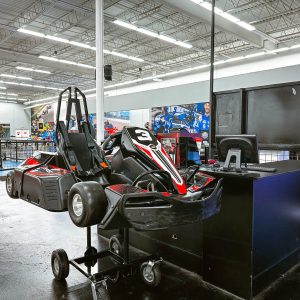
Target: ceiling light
226, 15
31, 85
166, 38
66, 62
2, 88
57, 39
17, 77
31, 32
255, 54
9, 94
152, 34
126, 25
147, 32
33, 70
74, 43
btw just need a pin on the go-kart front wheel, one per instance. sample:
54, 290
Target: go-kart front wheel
10, 185
87, 203
60, 264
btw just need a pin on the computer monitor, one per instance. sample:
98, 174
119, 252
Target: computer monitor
237, 148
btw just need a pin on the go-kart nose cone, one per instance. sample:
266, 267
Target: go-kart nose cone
77, 205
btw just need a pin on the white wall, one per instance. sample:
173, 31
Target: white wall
15, 115
195, 88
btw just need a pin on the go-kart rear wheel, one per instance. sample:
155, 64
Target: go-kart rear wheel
87, 203
10, 185
151, 274
60, 264
116, 244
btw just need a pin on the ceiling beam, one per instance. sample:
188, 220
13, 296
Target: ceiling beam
254, 38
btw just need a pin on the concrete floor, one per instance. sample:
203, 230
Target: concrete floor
28, 235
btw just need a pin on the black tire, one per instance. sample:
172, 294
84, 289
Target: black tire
10, 185
152, 278
116, 244
87, 203
60, 264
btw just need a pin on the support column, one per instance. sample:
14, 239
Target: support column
99, 70
212, 61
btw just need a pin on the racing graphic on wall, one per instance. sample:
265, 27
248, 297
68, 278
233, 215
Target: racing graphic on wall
192, 118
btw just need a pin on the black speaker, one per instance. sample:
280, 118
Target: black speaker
108, 72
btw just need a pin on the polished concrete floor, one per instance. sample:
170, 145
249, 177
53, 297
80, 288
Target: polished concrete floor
28, 235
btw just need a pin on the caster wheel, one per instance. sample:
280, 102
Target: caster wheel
151, 274
116, 244
60, 264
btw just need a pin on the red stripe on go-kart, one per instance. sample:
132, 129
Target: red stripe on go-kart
181, 188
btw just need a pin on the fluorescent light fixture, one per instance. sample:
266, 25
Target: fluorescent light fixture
220, 62
64, 61
31, 85
33, 70
147, 32
74, 43
255, 54
23, 30
126, 56
152, 34
125, 24
225, 15
57, 39
8, 94
17, 77
166, 38
2, 88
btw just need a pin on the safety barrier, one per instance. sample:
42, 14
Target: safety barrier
13, 152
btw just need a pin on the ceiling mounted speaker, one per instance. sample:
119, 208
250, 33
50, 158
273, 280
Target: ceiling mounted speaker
108, 72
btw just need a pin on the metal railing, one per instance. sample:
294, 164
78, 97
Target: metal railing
13, 152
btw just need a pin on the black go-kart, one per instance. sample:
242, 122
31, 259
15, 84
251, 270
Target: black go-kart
129, 182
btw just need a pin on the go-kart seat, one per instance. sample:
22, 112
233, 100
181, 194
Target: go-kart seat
81, 150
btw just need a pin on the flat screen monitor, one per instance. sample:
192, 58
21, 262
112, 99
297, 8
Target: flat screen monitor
246, 143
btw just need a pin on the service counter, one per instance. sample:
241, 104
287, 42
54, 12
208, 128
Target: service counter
252, 241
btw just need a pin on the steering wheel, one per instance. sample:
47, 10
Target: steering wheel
111, 142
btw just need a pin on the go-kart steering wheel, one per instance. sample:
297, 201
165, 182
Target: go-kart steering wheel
111, 142
169, 187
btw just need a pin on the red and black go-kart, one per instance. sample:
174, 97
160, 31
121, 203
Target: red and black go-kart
130, 182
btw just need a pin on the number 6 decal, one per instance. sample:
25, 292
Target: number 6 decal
143, 135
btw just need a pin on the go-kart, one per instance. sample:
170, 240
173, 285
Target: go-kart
130, 182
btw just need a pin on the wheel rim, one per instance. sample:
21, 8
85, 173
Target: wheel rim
115, 248
148, 276
77, 205
56, 265
9, 184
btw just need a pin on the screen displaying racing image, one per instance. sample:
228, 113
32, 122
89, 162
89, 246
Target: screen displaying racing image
192, 118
